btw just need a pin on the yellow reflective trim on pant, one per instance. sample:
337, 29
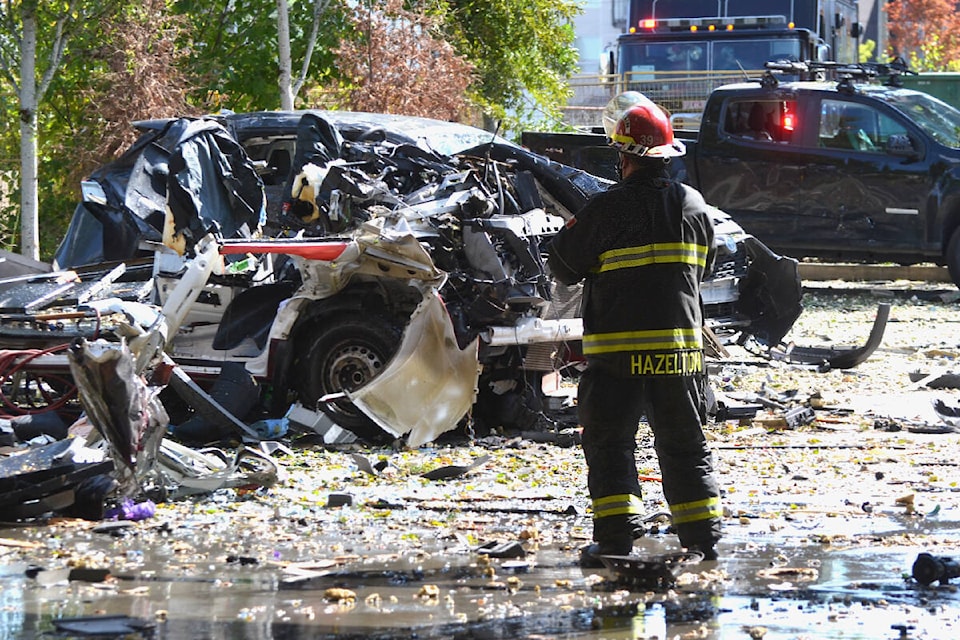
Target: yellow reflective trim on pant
694, 511
647, 340
656, 253
617, 505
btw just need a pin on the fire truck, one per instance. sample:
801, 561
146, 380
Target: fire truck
677, 51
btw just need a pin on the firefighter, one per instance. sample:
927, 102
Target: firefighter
642, 248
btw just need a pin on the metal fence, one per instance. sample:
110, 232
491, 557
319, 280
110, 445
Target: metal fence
678, 92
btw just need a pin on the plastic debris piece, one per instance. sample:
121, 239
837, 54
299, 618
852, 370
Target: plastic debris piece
87, 574
113, 527
299, 416
454, 471
130, 510
102, 625
498, 549
271, 428
364, 464
339, 500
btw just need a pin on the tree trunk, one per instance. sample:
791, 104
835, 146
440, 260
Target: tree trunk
29, 200
283, 56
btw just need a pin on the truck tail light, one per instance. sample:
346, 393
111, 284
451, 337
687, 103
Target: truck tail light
788, 122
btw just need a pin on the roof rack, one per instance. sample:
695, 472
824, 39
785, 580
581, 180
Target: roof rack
846, 74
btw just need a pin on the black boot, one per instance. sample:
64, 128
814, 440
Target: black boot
707, 549
590, 554
613, 536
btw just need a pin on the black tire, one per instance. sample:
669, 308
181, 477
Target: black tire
343, 355
952, 256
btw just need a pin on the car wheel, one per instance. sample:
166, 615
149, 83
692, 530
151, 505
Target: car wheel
345, 354
953, 256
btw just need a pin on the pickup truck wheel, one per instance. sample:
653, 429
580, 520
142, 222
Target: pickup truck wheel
953, 256
344, 355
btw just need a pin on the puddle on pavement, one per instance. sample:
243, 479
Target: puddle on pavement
857, 591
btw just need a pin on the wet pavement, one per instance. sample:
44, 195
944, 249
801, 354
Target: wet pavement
822, 525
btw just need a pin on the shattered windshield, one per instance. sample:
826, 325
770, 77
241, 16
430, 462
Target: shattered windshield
937, 118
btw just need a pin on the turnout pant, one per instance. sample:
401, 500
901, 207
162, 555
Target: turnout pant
610, 408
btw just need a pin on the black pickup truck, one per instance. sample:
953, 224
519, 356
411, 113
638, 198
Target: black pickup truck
840, 170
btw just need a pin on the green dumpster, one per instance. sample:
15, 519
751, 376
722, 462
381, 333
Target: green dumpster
940, 84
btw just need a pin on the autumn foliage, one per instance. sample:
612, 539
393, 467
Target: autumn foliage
138, 56
397, 63
926, 33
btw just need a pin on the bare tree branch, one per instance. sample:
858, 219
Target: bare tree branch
319, 7
56, 51
140, 54
227, 10
399, 66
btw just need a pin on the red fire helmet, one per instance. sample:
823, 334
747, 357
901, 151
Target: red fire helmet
644, 130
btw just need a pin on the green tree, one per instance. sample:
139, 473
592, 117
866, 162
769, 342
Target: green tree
126, 69
522, 53
132, 57
935, 55
117, 65
34, 36
233, 48
288, 84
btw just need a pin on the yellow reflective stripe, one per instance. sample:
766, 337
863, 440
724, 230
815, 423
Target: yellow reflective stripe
629, 144
646, 340
616, 505
695, 511
658, 252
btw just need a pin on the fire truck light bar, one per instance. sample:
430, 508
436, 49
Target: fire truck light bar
695, 24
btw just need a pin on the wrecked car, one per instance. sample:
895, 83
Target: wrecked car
384, 273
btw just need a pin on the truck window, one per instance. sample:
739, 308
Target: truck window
938, 119
763, 120
644, 61
751, 55
850, 125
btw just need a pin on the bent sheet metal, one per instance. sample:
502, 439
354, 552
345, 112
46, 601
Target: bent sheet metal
430, 383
